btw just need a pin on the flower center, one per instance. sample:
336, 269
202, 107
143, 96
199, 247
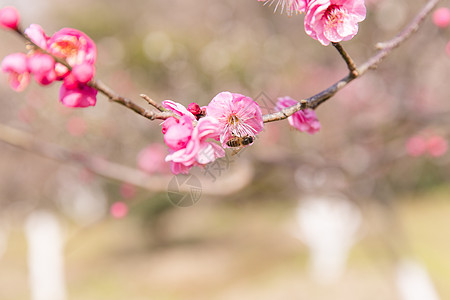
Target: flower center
68, 48
233, 120
334, 15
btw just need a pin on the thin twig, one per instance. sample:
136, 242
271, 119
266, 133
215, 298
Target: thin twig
348, 60
152, 102
113, 96
372, 63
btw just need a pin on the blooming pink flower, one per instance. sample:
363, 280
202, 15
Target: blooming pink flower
333, 20
416, 146
437, 145
9, 17
81, 96
16, 65
290, 6
178, 135
198, 150
83, 72
151, 159
238, 116
303, 120
74, 46
37, 35
441, 17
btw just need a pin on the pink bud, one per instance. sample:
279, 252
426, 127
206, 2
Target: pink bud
168, 123
83, 73
194, 108
441, 17
9, 17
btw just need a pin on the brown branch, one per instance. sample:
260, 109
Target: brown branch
152, 102
348, 60
113, 96
372, 63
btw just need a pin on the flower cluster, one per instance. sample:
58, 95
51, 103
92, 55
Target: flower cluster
303, 120
71, 45
192, 134
327, 20
188, 139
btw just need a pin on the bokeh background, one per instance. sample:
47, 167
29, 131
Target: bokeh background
360, 210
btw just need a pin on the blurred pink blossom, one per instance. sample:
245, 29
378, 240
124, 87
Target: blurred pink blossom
416, 146
303, 120
119, 210
9, 17
290, 6
16, 65
437, 146
333, 20
238, 116
151, 159
441, 17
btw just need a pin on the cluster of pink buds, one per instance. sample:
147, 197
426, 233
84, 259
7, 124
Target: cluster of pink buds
70, 45
327, 20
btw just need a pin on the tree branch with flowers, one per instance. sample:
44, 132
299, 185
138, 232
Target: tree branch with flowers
195, 136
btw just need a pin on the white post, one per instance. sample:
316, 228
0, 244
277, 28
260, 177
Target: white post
328, 226
45, 256
414, 283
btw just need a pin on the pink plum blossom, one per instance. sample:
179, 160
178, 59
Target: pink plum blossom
37, 35
238, 116
9, 17
198, 150
178, 109
303, 120
441, 17
42, 66
83, 72
178, 135
16, 65
290, 6
74, 46
333, 20
81, 96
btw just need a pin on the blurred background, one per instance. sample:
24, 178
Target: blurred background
360, 210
